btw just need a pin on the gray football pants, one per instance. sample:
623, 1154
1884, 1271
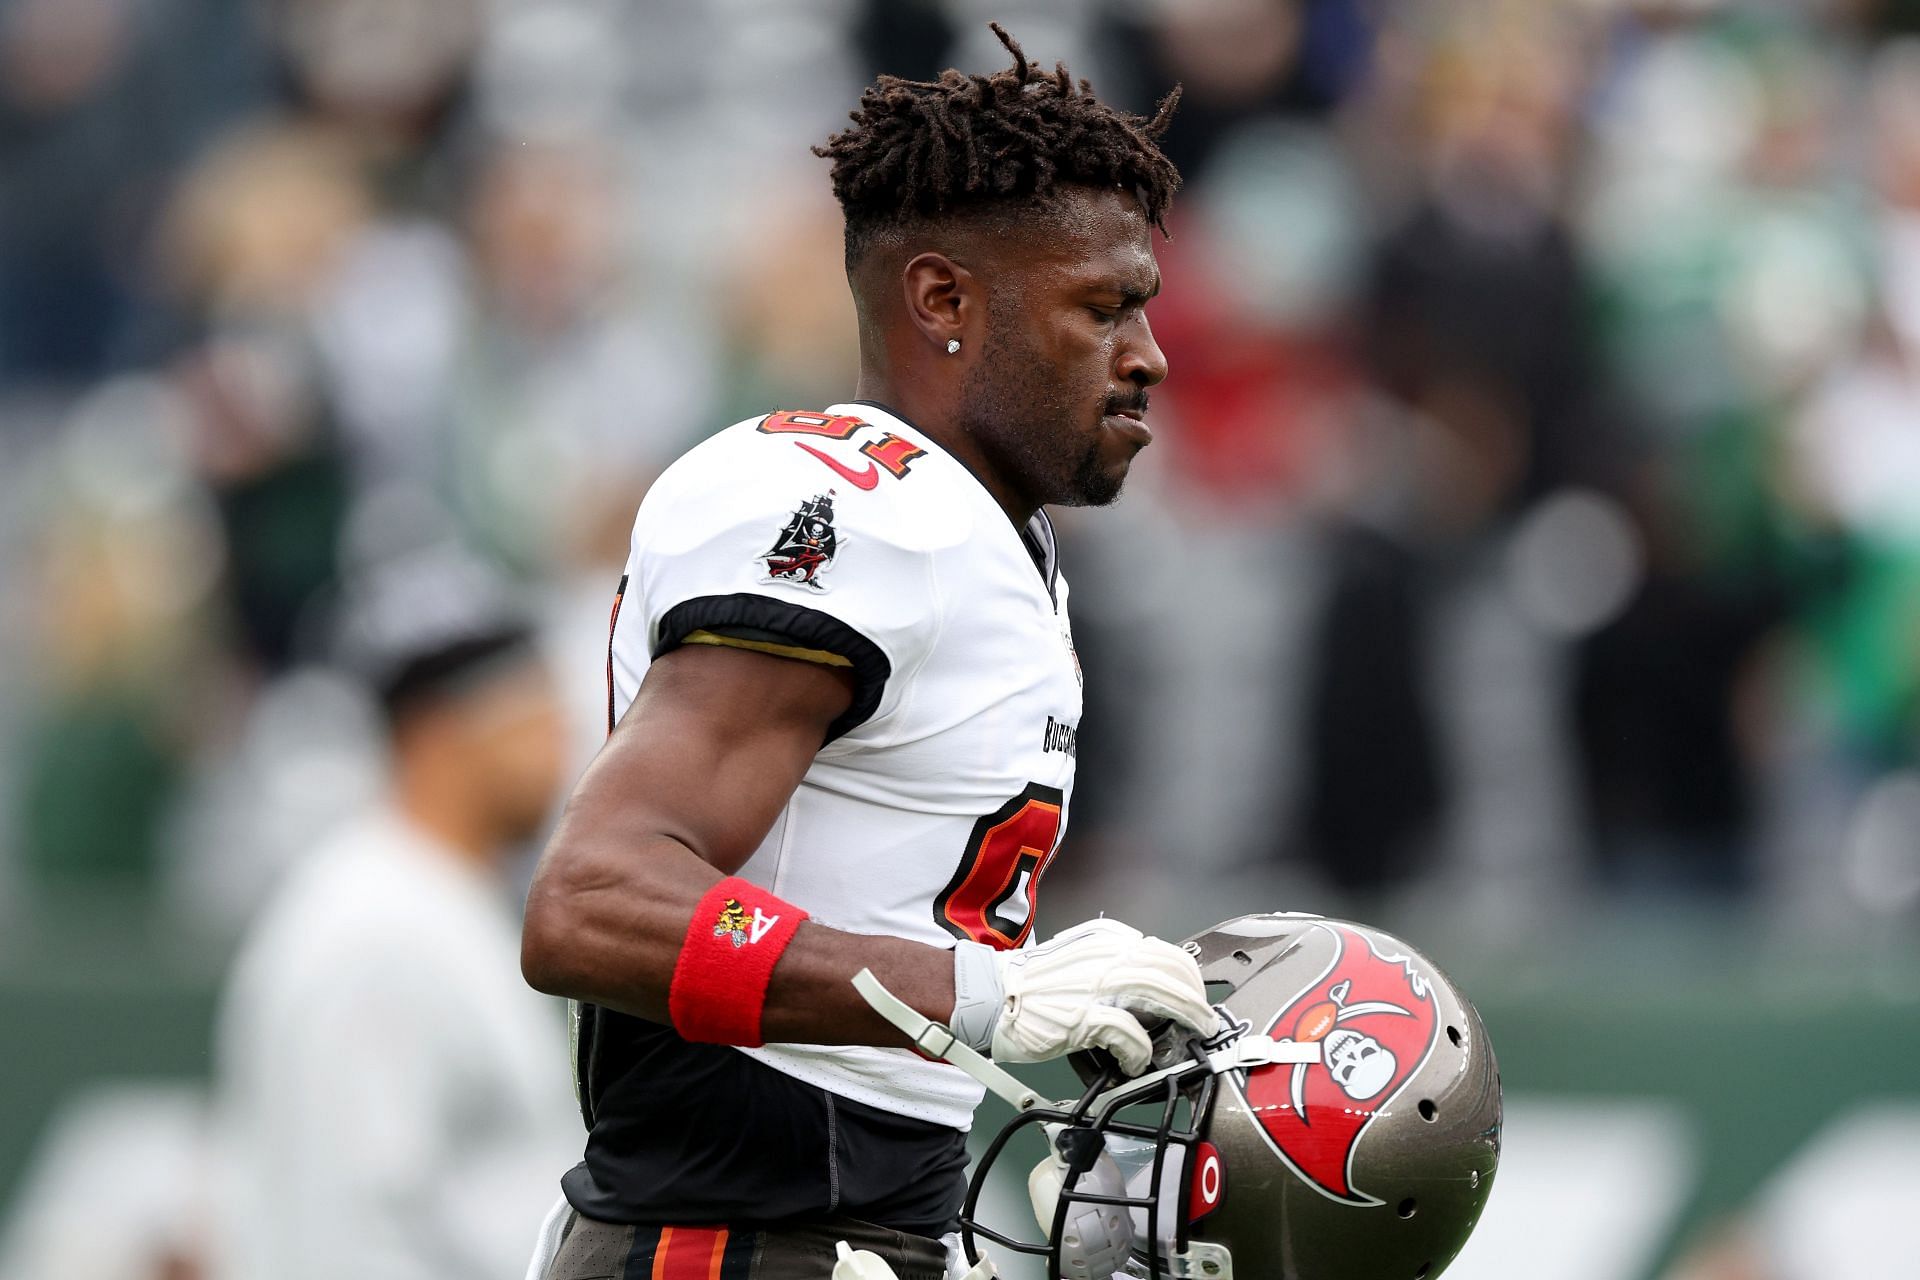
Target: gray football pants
593, 1250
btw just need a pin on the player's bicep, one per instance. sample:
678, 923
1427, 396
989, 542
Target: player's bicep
714, 744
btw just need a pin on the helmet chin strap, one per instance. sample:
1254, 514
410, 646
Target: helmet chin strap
1103, 1236
1236, 1055
936, 1040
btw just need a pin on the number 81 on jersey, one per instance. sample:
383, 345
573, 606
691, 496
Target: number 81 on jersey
1006, 855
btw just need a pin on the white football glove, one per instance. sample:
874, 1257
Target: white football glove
1088, 988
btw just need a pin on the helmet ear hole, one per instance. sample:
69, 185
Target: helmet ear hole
1428, 1111
1407, 1208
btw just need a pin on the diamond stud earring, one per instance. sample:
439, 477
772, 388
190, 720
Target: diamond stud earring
953, 346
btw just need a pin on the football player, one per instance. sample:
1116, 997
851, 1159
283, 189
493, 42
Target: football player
843, 704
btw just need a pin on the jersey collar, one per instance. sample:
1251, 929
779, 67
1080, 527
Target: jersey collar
1036, 536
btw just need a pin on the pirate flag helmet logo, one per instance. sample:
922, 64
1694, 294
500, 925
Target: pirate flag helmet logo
1373, 1017
805, 546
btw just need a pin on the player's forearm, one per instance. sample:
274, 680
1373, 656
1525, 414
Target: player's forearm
812, 1000
608, 928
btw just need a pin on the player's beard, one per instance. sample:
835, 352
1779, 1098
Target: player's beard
1093, 486
1025, 419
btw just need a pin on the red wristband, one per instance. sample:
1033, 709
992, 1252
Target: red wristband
735, 938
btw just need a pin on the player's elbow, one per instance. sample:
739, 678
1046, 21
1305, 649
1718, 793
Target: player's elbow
545, 958
603, 926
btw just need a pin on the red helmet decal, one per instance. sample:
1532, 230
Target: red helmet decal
1373, 1017
1209, 1184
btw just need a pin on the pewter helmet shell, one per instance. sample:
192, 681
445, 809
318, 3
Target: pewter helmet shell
1419, 1172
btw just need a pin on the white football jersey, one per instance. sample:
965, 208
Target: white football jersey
941, 796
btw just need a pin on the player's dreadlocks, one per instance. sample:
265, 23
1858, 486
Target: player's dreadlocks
922, 149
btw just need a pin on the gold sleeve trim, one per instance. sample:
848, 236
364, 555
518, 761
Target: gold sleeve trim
821, 656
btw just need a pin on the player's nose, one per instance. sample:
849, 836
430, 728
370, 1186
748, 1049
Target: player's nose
1141, 360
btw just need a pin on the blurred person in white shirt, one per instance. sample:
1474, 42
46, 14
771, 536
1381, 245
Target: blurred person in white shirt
388, 1096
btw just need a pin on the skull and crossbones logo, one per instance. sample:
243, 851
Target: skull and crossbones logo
1358, 1063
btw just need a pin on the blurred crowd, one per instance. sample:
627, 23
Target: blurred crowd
1535, 516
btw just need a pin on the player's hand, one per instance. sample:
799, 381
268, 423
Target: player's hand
1090, 987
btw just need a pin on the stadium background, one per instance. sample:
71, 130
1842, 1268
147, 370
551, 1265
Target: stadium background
1529, 561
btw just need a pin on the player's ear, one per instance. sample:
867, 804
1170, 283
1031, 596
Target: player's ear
943, 300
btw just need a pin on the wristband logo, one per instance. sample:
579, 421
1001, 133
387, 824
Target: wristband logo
741, 929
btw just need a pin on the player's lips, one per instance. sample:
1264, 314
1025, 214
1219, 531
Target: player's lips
1130, 424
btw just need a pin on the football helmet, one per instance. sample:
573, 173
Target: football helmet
1341, 1123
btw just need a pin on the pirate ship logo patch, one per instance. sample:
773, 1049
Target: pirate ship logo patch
1374, 1018
805, 546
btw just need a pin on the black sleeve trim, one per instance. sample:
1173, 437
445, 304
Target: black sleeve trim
796, 624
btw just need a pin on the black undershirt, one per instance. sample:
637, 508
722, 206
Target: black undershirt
685, 1133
